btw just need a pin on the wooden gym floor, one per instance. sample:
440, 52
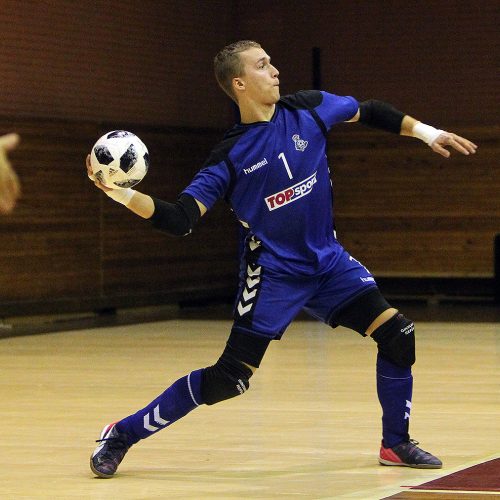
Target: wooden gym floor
308, 428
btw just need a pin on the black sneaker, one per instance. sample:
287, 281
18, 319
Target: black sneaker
408, 454
110, 452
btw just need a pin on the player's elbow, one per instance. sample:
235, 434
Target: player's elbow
176, 219
381, 115
181, 228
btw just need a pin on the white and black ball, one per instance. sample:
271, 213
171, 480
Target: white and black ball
119, 159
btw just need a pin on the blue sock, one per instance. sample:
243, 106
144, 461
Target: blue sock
394, 388
178, 400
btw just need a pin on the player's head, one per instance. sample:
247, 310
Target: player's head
244, 68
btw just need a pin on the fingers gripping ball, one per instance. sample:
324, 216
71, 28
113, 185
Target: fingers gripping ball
396, 340
119, 159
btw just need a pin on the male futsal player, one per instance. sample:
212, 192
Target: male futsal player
272, 169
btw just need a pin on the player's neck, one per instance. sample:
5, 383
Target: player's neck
253, 112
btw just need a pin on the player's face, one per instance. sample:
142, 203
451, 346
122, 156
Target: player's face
259, 78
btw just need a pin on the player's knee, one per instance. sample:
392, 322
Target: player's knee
396, 340
226, 379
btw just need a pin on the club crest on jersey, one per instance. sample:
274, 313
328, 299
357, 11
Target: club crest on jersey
288, 195
300, 144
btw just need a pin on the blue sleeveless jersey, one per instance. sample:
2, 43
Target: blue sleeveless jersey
275, 177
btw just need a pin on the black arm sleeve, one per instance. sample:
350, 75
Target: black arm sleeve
176, 218
379, 114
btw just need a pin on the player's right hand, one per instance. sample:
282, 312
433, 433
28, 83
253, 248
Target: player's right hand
92, 177
122, 196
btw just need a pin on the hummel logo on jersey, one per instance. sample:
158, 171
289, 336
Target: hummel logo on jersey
259, 164
368, 279
292, 193
300, 144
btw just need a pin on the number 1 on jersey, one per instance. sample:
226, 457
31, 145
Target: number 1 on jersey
282, 157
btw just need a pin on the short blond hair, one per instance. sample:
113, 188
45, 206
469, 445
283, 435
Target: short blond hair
228, 65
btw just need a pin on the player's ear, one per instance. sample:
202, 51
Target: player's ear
238, 84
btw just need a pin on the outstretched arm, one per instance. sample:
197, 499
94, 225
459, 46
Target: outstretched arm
437, 140
176, 218
381, 115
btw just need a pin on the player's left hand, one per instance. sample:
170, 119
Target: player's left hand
448, 139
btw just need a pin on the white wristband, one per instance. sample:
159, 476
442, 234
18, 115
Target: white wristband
426, 133
122, 196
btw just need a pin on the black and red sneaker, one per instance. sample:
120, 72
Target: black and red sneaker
112, 448
408, 454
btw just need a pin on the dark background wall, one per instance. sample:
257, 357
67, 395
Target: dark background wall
434, 58
70, 71
142, 62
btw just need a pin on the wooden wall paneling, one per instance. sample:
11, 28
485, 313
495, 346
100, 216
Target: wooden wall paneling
152, 63
65, 82
138, 257
68, 244
436, 62
403, 209
50, 244
138, 62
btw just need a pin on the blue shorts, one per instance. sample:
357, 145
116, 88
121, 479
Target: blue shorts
268, 301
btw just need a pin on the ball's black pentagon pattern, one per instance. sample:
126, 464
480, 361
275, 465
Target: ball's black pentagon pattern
128, 159
146, 161
103, 155
118, 133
